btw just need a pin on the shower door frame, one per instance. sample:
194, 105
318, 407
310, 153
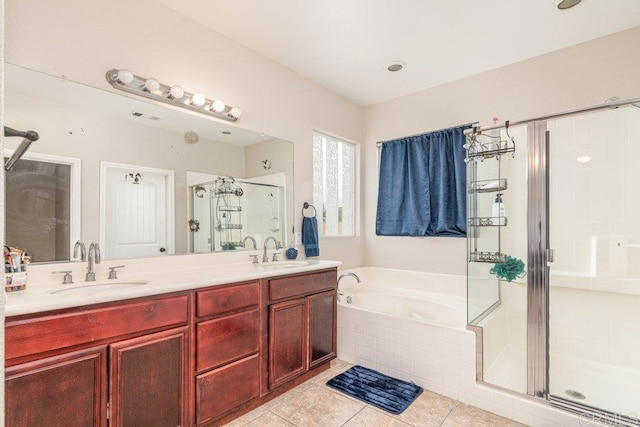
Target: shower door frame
539, 256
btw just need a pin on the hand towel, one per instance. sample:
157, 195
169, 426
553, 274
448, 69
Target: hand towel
310, 236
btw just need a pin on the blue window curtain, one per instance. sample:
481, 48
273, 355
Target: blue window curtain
422, 186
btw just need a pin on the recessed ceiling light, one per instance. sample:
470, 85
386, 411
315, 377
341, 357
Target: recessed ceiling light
583, 159
394, 66
567, 4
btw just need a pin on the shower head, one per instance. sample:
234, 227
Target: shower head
28, 137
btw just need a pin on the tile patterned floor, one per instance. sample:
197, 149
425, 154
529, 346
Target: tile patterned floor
314, 404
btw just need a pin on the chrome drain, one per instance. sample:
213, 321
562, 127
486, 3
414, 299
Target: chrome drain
575, 394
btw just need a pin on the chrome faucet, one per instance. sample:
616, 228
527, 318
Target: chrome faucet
265, 258
249, 238
80, 250
342, 276
94, 256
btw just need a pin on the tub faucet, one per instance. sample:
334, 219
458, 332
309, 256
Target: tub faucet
80, 250
244, 241
94, 256
265, 258
342, 276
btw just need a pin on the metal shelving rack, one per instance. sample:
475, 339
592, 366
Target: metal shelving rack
481, 148
228, 222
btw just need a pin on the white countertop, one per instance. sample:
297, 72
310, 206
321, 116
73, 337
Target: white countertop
38, 297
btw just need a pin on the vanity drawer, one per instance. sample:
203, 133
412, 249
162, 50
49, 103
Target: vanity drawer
287, 287
227, 338
48, 333
225, 388
227, 299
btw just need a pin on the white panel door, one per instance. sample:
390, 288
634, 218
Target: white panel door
135, 220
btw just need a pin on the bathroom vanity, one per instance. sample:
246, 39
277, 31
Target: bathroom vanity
201, 355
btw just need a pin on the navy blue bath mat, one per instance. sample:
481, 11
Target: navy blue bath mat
385, 392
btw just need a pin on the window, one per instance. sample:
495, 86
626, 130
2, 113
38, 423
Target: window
334, 185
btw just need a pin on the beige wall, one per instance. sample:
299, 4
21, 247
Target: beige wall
576, 77
82, 40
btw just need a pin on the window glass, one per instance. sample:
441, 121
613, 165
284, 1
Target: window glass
334, 185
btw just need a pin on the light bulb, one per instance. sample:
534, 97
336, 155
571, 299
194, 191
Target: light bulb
583, 159
124, 76
176, 92
218, 106
235, 112
198, 99
151, 85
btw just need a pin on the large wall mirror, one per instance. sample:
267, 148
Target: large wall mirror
140, 178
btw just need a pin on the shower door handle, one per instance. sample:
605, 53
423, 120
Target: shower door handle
550, 255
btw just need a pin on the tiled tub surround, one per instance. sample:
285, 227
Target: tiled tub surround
441, 359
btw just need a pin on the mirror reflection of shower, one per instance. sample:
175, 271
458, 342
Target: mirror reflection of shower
229, 209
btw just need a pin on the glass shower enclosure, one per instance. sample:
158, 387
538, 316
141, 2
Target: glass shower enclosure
568, 331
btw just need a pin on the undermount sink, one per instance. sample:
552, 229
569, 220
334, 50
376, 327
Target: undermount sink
94, 288
283, 264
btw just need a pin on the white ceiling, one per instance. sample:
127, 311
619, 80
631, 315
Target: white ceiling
344, 44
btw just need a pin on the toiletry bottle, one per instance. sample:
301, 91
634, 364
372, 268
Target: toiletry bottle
498, 212
223, 221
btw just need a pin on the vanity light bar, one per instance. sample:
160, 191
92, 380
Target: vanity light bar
174, 95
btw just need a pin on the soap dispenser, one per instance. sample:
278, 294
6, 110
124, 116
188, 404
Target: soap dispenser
498, 212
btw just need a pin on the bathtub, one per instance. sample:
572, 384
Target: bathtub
407, 324
436, 299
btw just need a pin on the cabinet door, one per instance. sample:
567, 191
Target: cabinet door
287, 340
147, 380
65, 390
322, 327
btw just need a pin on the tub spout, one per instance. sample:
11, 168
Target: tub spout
342, 276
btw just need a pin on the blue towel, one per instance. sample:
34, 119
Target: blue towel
310, 236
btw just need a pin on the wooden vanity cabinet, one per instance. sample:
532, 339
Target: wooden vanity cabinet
65, 390
67, 367
227, 349
147, 380
199, 357
302, 315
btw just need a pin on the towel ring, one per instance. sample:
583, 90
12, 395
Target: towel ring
307, 206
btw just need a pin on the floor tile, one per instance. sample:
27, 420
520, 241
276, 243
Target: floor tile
288, 395
269, 419
248, 417
369, 417
429, 409
340, 365
318, 406
330, 373
465, 415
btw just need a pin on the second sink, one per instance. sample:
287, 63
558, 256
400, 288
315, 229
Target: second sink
283, 264
93, 288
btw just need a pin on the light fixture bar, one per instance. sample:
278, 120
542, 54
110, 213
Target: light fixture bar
174, 95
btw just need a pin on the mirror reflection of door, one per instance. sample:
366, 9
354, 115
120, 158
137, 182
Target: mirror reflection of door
42, 206
137, 211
